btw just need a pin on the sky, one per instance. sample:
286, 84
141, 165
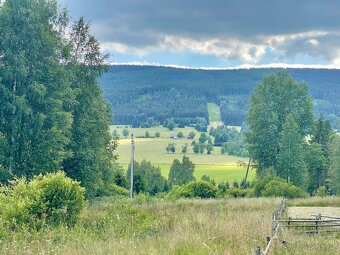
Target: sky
214, 33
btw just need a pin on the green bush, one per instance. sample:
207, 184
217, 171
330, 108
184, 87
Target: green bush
114, 190
321, 192
51, 199
194, 189
280, 188
237, 193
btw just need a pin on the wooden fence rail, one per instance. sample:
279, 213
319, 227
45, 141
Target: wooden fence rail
313, 226
275, 228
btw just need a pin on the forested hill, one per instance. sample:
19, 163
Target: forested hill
140, 92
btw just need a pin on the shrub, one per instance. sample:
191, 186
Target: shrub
117, 190
51, 199
194, 189
321, 192
280, 188
236, 193
240, 192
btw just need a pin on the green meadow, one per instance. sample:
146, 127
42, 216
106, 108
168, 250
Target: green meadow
219, 167
214, 113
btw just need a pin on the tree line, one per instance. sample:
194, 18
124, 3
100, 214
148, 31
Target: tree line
284, 138
139, 88
52, 114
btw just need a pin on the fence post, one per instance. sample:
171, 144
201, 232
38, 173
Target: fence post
289, 218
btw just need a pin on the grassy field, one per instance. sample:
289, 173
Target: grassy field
220, 173
183, 227
214, 113
219, 167
157, 226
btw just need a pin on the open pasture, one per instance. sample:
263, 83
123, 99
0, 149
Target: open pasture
219, 167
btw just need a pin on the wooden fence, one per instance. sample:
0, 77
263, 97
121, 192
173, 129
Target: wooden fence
318, 225
276, 221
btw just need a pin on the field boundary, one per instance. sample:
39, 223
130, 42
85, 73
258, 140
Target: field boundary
276, 220
317, 225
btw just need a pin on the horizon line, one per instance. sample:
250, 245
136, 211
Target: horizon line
239, 67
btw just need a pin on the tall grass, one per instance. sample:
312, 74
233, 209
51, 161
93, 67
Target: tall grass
316, 201
119, 226
292, 242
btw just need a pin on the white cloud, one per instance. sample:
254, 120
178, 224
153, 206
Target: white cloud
313, 42
240, 67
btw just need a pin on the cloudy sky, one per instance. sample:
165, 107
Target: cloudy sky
215, 33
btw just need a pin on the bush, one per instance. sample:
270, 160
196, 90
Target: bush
236, 193
51, 199
194, 189
280, 188
321, 192
116, 190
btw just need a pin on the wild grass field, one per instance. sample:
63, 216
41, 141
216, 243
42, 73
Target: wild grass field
144, 226
214, 113
219, 167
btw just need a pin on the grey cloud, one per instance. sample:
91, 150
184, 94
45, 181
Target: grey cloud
145, 23
325, 47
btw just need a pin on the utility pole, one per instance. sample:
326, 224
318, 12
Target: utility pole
131, 167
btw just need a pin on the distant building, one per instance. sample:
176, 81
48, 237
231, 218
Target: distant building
173, 136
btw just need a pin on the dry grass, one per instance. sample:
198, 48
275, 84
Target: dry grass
305, 244
109, 226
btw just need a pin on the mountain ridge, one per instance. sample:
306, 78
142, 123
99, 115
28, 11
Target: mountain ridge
139, 92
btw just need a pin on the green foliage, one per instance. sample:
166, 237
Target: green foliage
115, 190
209, 148
274, 98
194, 189
147, 178
171, 125
317, 166
203, 138
201, 124
237, 193
230, 140
118, 176
180, 135
147, 134
206, 178
171, 147
91, 144
185, 148
271, 186
191, 135
196, 147
53, 114
51, 199
321, 192
157, 135
181, 172
34, 90
144, 91
290, 160
125, 132
335, 167
280, 188
323, 135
